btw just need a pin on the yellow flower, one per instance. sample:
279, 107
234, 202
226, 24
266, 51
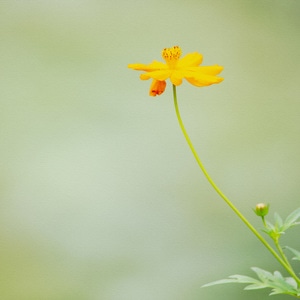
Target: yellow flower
176, 69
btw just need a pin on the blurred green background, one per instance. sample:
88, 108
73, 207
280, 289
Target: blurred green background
100, 195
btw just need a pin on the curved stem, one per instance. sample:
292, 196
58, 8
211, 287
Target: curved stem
228, 202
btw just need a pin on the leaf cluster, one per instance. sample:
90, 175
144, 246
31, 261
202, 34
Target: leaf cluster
280, 227
275, 281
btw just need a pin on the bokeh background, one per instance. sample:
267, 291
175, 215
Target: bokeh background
101, 198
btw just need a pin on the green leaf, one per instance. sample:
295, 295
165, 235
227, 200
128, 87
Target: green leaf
262, 274
278, 221
291, 219
270, 226
295, 252
234, 279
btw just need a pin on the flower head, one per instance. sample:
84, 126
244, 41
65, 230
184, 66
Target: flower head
176, 69
261, 209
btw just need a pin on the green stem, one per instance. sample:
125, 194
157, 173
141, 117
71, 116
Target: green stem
276, 242
229, 203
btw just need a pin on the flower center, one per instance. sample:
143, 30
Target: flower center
171, 55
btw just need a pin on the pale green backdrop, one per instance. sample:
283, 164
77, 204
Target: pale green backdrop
101, 198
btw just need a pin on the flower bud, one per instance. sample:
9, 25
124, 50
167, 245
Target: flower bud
261, 209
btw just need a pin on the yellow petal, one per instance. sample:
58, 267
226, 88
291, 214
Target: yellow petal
190, 60
200, 80
160, 75
155, 65
211, 70
176, 77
